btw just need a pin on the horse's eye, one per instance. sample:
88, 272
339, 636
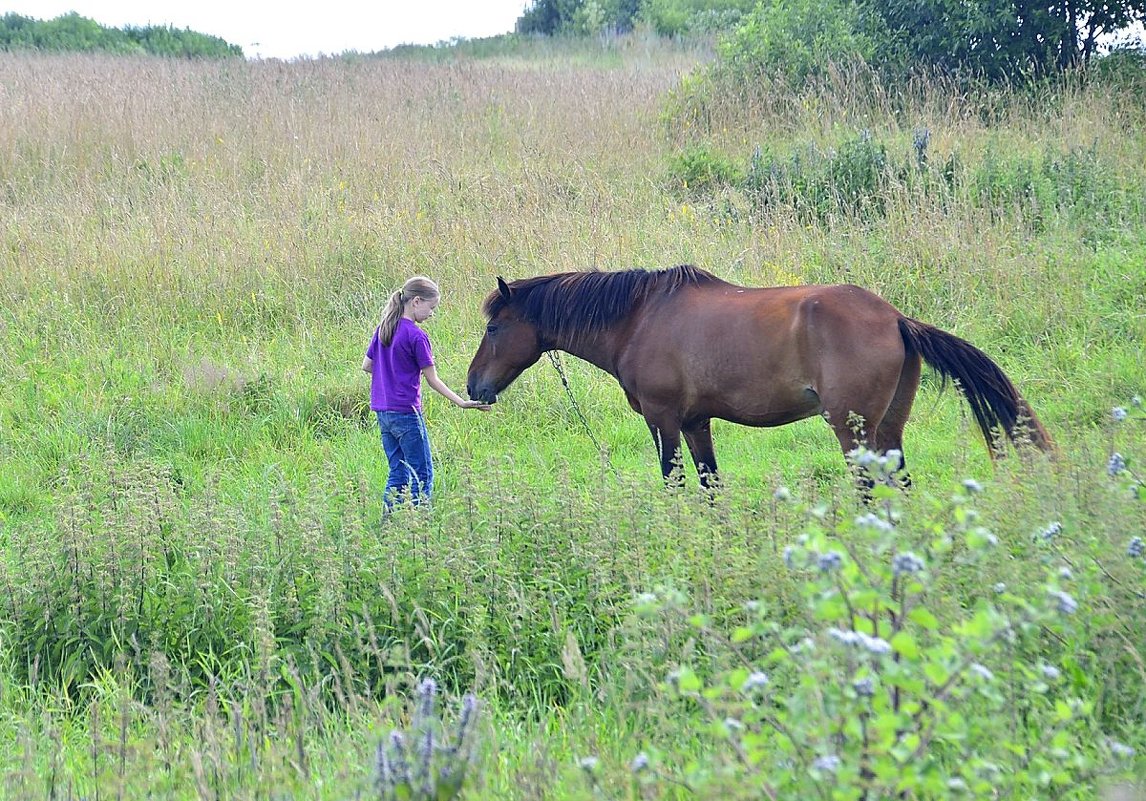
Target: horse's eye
491, 329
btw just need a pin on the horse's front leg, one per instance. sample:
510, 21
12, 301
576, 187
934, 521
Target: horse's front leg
699, 439
666, 438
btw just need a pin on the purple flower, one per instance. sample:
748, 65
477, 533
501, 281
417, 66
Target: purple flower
1136, 548
830, 561
756, 680
1066, 604
1118, 413
906, 562
1116, 464
1121, 751
587, 764
829, 763
1051, 531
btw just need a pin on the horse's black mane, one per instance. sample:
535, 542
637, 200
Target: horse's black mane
569, 304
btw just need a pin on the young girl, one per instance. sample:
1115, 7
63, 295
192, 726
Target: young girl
398, 356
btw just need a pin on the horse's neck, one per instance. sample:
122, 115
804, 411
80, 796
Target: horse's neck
599, 349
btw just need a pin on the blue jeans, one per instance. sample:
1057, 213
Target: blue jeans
407, 446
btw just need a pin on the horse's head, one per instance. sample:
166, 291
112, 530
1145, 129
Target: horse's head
510, 345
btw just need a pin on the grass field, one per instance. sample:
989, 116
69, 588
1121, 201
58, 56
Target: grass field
198, 598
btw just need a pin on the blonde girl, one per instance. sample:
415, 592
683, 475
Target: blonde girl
398, 356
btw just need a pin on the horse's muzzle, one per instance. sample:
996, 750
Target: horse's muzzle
483, 393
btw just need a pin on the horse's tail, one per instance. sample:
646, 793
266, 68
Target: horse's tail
994, 401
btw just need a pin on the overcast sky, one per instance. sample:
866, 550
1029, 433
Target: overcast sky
286, 29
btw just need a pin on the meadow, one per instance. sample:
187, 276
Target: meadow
199, 599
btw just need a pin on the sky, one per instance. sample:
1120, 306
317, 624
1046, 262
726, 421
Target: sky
286, 29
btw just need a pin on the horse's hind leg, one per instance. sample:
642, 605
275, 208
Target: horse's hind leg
889, 435
699, 439
857, 416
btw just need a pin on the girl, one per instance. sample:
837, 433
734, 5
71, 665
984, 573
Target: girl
398, 356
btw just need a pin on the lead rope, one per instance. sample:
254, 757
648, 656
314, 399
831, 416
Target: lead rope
560, 368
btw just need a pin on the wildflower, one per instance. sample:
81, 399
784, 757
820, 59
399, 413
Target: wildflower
1118, 413
1066, 604
972, 486
587, 764
865, 687
919, 141
1065, 574
782, 494
398, 762
1136, 548
640, 762
872, 521
426, 691
876, 645
985, 535
756, 680
906, 562
789, 556
829, 763
1136, 400
1116, 464
862, 457
1000, 588
891, 461
830, 561
1050, 672
1051, 531
982, 671
732, 724
844, 636
1121, 751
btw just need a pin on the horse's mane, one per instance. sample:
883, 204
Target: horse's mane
569, 304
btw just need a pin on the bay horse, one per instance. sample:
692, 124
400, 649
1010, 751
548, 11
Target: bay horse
687, 347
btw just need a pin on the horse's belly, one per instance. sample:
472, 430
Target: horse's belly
771, 409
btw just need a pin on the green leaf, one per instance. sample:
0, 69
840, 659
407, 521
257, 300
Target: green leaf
688, 681
922, 617
904, 644
1062, 710
936, 673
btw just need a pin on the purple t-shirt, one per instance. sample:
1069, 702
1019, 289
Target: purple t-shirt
396, 375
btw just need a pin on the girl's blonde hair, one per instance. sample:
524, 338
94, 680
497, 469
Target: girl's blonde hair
416, 287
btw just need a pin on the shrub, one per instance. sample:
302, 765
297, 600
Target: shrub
886, 690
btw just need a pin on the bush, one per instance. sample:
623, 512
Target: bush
886, 688
792, 42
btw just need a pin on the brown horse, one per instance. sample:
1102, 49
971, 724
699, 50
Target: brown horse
687, 347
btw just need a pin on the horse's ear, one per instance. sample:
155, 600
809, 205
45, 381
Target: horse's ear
503, 289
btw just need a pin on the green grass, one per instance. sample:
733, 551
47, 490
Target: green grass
198, 597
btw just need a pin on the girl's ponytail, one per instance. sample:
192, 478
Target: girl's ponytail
416, 287
390, 316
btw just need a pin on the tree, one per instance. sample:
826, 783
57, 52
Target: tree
998, 39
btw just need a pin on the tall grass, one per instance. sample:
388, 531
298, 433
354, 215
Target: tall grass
199, 598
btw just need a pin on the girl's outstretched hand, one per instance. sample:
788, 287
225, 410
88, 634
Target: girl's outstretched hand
473, 404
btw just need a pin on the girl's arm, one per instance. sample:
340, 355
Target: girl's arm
440, 387
367, 365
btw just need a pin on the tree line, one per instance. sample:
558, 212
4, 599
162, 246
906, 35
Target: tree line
991, 39
71, 32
